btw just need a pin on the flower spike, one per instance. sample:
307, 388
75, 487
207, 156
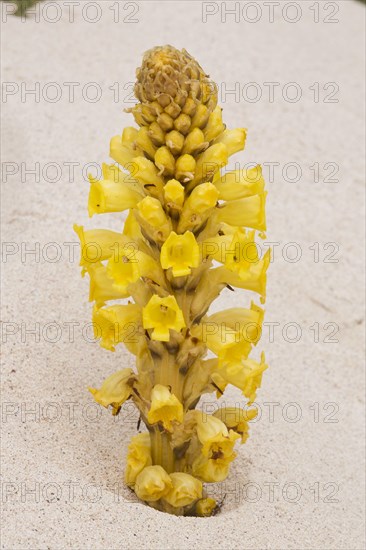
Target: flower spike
190, 234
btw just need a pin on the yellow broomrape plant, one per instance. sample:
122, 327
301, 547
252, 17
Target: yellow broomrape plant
189, 234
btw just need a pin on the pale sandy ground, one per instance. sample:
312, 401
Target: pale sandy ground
295, 484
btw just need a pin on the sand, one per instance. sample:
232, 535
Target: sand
298, 482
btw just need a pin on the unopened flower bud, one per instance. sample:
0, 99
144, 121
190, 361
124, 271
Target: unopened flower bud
152, 483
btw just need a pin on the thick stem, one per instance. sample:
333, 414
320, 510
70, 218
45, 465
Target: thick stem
161, 451
167, 373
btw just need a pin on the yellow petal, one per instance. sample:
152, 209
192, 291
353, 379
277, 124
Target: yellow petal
165, 407
122, 152
202, 198
254, 279
110, 196
116, 324
239, 184
132, 229
234, 140
180, 252
210, 162
145, 171
138, 457
123, 271
237, 419
248, 212
225, 329
210, 428
174, 192
99, 244
210, 470
102, 287
162, 314
186, 490
152, 212
152, 483
115, 390
247, 376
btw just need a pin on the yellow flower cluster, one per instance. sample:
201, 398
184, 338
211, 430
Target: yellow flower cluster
189, 233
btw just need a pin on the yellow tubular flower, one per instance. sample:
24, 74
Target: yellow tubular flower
126, 269
237, 419
145, 171
102, 287
254, 279
122, 149
217, 449
116, 324
115, 390
198, 206
210, 162
216, 247
239, 184
247, 376
162, 314
123, 271
234, 140
209, 430
186, 490
211, 470
138, 457
242, 253
152, 483
129, 135
248, 212
180, 252
165, 407
111, 196
226, 328
234, 354
97, 245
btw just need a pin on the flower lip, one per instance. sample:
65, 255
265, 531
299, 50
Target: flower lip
162, 319
180, 252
